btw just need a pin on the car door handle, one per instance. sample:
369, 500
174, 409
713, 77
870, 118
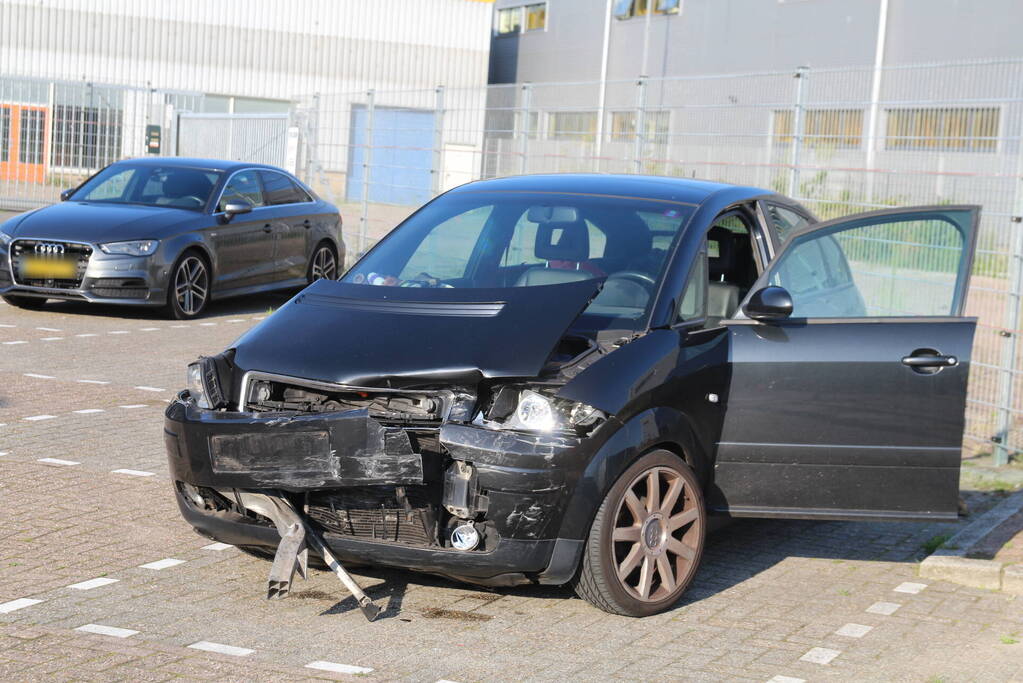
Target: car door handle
307, 224
930, 361
267, 228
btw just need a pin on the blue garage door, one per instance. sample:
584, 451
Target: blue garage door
402, 156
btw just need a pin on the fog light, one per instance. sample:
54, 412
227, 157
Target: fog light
465, 537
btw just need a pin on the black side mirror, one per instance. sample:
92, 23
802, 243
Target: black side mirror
769, 303
235, 207
66, 194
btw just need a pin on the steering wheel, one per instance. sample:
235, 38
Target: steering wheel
192, 198
639, 277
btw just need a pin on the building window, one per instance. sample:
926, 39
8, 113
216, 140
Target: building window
85, 137
5, 133
822, 128
950, 129
655, 126
509, 20
536, 17
532, 17
30, 137
625, 9
572, 125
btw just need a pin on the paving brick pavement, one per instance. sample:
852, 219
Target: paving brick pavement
772, 598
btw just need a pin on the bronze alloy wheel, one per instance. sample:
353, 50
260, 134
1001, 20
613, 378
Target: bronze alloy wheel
646, 540
323, 265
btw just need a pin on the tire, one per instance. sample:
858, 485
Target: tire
188, 287
30, 303
644, 539
322, 264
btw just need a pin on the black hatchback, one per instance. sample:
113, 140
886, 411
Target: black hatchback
556, 379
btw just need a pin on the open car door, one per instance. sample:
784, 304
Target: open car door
852, 406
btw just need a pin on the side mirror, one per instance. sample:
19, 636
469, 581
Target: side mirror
769, 303
66, 194
233, 208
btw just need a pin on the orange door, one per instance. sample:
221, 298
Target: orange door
23, 143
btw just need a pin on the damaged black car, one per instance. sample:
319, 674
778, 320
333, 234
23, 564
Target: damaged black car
558, 379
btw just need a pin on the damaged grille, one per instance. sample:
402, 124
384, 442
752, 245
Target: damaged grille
394, 514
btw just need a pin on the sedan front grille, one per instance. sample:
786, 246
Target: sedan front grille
49, 250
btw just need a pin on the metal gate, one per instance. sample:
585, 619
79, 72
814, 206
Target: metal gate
397, 146
256, 138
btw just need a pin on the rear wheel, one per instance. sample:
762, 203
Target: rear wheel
188, 289
323, 264
646, 539
32, 303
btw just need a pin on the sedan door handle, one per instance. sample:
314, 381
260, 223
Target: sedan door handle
930, 361
267, 228
307, 224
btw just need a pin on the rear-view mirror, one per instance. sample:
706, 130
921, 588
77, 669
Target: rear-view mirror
769, 303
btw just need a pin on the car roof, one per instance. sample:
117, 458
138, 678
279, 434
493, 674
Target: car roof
683, 190
187, 162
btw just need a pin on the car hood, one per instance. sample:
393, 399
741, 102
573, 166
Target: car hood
84, 222
363, 335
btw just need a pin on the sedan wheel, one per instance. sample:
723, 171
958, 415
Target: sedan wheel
190, 287
323, 265
646, 540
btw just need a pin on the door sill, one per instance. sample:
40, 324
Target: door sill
826, 514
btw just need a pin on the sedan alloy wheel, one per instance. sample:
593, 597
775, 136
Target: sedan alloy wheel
191, 286
323, 265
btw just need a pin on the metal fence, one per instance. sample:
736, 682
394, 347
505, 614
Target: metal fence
838, 140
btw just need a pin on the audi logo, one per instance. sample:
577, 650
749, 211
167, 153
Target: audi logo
49, 248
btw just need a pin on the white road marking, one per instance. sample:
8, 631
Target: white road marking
782, 679
3, 453
162, 564
93, 583
88, 411
52, 338
91, 381
15, 342
207, 324
134, 405
148, 329
211, 546
885, 608
13, 605
820, 655
87, 334
36, 418
910, 587
119, 332
6, 325
107, 630
259, 317
236, 320
178, 327
150, 389
135, 473
58, 461
338, 668
222, 649
854, 630
48, 329
32, 374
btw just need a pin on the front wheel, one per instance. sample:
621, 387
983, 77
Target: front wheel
189, 287
323, 264
646, 539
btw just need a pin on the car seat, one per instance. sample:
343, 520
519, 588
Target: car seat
722, 293
557, 241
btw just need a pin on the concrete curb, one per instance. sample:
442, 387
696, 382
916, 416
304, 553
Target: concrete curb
953, 561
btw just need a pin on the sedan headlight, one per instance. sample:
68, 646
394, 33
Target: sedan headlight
530, 410
134, 248
5, 239
204, 384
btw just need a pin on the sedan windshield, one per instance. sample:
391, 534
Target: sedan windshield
171, 186
521, 239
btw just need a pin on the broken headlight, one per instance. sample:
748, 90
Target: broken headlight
204, 384
533, 411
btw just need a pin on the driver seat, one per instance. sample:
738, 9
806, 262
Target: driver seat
722, 296
558, 242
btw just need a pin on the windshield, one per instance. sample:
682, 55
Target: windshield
521, 239
173, 186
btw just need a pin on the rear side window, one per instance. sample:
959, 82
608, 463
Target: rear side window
784, 221
243, 187
280, 189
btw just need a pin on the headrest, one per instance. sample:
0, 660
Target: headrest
721, 250
563, 241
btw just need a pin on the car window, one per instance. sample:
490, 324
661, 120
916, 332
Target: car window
784, 221
521, 247
444, 253
280, 189
170, 186
243, 186
888, 269
693, 305
114, 186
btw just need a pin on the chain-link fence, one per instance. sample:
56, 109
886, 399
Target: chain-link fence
838, 140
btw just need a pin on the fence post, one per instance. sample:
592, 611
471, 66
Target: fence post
797, 129
527, 94
1010, 335
438, 140
367, 160
640, 137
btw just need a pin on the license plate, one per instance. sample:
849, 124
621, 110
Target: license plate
49, 269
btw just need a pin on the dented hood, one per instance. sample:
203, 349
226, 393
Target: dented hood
365, 335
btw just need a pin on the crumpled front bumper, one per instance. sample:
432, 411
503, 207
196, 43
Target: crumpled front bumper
527, 480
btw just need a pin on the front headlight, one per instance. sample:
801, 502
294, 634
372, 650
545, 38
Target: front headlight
5, 239
134, 248
529, 410
204, 385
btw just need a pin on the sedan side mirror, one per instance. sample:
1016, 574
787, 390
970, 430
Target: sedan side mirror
769, 303
233, 208
66, 194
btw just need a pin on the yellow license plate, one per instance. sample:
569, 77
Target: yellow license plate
49, 268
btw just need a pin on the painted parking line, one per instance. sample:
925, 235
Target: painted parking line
235, 320
37, 418
102, 630
178, 327
150, 389
786, 679
338, 668
14, 605
119, 332
162, 564
854, 630
910, 587
134, 473
48, 329
133, 406
885, 608
58, 461
11, 343
32, 374
148, 329
820, 655
92, 381
211, 546
3, 453
207, 324
52, 338
6, 325
221, 649
87, 334
93, 583
89, 411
